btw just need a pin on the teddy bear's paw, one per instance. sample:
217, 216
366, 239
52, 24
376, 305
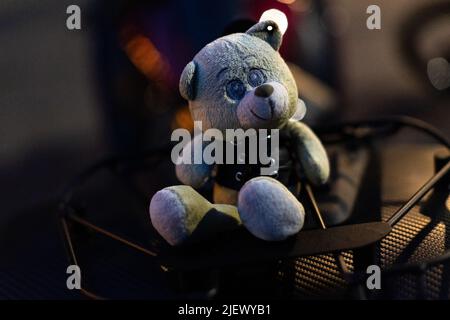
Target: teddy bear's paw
269, 210
168, 215
182, 215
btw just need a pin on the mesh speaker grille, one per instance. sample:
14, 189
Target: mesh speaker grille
416, 238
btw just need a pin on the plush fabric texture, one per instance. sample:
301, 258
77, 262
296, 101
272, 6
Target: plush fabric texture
195, 175
269, 210
231, 58
261, 112
310, 151
168, 216
240, 81
267, 31
187, 82
177, 214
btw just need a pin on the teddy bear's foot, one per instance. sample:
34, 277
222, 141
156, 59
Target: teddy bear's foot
269, 210
180, 213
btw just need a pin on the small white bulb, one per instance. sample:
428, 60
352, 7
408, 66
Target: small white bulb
276, 16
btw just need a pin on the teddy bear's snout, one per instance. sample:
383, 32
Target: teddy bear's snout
263, 106
264, 90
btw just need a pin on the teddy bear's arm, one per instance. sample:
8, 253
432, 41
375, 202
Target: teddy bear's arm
310, 152
192, 174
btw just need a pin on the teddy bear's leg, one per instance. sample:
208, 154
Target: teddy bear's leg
180, 213
269, 210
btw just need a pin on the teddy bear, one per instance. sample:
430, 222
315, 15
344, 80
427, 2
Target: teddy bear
241, 81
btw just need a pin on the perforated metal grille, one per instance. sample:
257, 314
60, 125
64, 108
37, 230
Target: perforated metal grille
316, 276
416, 238
307, 271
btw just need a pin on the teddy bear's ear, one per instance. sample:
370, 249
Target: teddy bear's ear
300, 110
187, 86
268, 31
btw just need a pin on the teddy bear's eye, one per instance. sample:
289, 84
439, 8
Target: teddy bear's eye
235, 89
256, 77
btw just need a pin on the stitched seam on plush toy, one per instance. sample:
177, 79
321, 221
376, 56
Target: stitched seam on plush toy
183, 218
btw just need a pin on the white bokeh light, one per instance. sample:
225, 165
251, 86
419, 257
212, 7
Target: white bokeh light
276, 16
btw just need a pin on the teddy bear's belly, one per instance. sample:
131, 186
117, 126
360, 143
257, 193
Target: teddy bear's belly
230, 178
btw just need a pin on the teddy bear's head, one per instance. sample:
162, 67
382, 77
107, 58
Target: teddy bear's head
241, 81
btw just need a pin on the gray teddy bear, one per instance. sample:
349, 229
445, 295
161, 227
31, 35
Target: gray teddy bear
241, 81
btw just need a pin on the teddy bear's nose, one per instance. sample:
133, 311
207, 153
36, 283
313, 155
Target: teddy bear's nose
264, 90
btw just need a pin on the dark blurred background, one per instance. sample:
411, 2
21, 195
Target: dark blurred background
68, 98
